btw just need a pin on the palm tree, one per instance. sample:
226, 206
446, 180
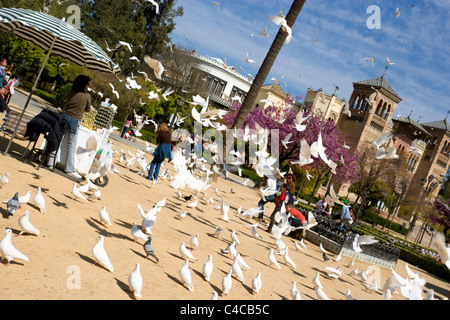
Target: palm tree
267, 64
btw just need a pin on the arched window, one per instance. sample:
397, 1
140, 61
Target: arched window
378, 110
444, 147
356, 102
388, 110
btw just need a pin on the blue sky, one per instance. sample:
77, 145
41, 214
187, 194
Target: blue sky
418, 42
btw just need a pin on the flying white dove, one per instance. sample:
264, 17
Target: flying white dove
100, 255
8, 251
280, 20
207, 268
185, 275
299, 119
39, 201
135, 282
155, 4
185, 253
361, 240
114, 91
104, 217
442, 249
157, 66
26, 226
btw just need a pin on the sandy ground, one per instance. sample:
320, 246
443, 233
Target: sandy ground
61, 261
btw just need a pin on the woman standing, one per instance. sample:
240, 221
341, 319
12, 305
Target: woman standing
162, 152
127, 126
78, 102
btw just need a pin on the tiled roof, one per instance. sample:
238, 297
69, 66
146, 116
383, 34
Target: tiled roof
380, 82
413, 123
443, 124
275, 88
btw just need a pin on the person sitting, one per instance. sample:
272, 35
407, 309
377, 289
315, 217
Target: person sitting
321, 205
297, 219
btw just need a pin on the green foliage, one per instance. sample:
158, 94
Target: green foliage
46, 96
61, 96
369, 216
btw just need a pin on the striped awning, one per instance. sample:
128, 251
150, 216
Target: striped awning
41, 29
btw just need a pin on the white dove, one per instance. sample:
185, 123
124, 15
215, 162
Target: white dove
237, 270
361, 240
157, 66
257, 283
185, 275
293, 292
26, 226
137, 233
286, 141
304, 154
299, 119
8, 251
181, 215
280, 20
288, 259
100, 254
25, 198
316, 281
114, 91
234, 237
135, 282
227, 283
76, 193
320, 294
104, 217
208, 268
39, 201
155, 4
4, 179
273, 260
348, 295
96, 195
185, 253
194, 241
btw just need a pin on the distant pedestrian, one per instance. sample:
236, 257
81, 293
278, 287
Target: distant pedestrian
4, 70
163, 151
128, 124
10, 88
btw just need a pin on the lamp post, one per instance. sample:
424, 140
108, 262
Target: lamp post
180, 103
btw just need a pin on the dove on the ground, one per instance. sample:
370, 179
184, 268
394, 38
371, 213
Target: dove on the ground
227, 283
100, 254
76, 193
348, 295
181, 216
293, 292
207, 268
214, 295
237, 270
320, 294
217, 232
104, 216
257, 283
25, 198
185, 253
288, 259
325, 257
298, 247
39, 201
149, 249
234, 237
185, 275
137, 233
194, 241
272, 260
26, 226
316, 281
95, 195
241, 261
4, 179
135, 282
8, 251
13, 204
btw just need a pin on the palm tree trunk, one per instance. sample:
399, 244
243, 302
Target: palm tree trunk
266, 66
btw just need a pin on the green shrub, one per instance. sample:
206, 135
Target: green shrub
49, 97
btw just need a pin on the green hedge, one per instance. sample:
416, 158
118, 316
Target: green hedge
49, 97
369, 216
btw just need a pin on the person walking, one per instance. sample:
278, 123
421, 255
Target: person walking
4, 70
78, 102
272, 186
163, 151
